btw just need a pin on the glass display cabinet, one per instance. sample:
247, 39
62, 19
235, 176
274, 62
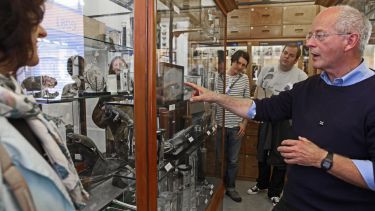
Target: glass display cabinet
111, 76
190, 45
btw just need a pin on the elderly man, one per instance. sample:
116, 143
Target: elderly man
331, 165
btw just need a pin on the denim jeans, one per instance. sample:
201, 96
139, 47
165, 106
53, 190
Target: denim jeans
232, 146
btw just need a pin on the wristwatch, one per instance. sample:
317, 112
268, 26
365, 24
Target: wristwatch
327, 162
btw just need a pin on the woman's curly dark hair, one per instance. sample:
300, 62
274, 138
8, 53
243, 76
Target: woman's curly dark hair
18, 19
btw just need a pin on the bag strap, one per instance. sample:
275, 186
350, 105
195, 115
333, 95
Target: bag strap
16, 182
231, 86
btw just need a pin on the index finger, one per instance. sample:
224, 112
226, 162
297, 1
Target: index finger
289, 142
193, 85
198, 89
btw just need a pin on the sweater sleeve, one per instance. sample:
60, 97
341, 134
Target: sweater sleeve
275, 108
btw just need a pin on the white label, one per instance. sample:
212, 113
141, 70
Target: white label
206, 201
191, 139
211, 192
213, 129
111, 83
168, 167
176, 9
77, 156
212, 186
208, 132
172, 107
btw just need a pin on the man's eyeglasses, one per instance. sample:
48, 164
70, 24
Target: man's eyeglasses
320, 36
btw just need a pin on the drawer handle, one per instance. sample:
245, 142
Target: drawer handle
266, 15
234, 17
232, 32
298, 30
299, 14
266, 30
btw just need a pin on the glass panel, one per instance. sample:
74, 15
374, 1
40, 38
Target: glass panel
84, 81
189, 47
369, 56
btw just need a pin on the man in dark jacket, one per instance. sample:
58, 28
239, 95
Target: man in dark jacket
272, 80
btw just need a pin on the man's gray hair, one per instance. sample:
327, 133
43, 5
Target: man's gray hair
351, 20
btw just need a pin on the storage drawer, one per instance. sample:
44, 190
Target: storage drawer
251, 166
240, 17
252, 128
266, 16
238, 33
241, 165
250, 143
296, 30
265, 31
299, 14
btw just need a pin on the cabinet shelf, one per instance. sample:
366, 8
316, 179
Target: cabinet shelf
103, 194
65, 100
96, 43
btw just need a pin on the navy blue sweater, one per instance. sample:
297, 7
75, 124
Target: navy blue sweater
348, 116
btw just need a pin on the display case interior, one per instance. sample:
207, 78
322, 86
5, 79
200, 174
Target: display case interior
189, 42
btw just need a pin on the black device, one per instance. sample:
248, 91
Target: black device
327, 162
170, 84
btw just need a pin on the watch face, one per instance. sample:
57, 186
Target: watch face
326, 164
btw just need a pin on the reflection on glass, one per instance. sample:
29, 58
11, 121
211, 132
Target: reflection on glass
87, 41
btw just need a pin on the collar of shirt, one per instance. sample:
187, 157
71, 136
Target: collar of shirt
358, 74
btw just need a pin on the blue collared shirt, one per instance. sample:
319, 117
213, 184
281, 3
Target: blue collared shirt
359, 74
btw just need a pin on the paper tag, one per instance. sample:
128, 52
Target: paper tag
172, 107
176, 9
211, 192
206, 201
212, 186
168, 167
191, 139
77, 156
208, 132
213, 129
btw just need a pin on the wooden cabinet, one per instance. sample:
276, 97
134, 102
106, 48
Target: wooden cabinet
240, 17
238, 32
248, 164
296, 30
276, 21
251, 167
260, 16
265, 31
299, 14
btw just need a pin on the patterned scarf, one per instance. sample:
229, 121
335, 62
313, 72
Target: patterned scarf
14, 104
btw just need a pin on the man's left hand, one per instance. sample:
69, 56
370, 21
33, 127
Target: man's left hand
302, 152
